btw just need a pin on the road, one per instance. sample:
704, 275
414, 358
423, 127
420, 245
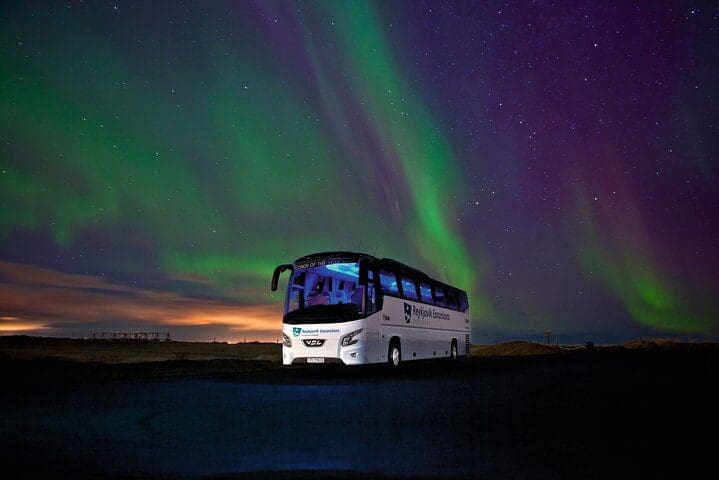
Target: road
580, 416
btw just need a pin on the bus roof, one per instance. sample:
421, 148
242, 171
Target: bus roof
383, 262
317, 256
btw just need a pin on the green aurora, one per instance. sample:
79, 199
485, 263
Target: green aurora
226, 184
189, 153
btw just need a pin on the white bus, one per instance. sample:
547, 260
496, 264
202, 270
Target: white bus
353, 308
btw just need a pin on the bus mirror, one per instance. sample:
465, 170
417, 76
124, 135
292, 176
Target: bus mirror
276, 275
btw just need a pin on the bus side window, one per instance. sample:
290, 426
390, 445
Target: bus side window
452, 299
439, 297
463, 304
388, 282
371, 305
426, 293
409, 288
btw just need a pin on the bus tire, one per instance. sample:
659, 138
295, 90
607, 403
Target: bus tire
394, 353
453, 351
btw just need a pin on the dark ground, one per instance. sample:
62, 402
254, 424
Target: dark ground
649, 413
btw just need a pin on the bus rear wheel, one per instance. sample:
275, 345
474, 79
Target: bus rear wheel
454, 353
394, 355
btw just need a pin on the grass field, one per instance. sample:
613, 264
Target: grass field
41, 359
83, 351
107, 352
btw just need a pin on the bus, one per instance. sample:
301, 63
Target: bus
353, 308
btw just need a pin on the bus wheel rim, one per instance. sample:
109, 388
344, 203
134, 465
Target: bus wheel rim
395, 356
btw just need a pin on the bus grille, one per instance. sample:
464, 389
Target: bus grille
466, 343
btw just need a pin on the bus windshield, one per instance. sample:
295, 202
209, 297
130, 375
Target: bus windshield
329, 284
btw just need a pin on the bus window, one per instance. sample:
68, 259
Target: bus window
439, 297
463, 304
296, 298
333, 284
388, 281
425, 292
371, 305
409, 288
356, 296
452, 299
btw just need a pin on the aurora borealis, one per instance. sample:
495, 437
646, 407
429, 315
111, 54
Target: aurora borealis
559, 162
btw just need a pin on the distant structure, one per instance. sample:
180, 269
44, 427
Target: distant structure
153, 337
547, 337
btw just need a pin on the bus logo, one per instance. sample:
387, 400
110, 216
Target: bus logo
407, 312
314, 342
296, 331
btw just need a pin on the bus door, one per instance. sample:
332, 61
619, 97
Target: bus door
372, 323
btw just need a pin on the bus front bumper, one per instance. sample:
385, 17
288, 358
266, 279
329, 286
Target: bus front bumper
347, 356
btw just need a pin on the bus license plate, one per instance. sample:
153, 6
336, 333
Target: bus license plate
315, 360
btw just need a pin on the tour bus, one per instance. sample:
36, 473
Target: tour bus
353, 308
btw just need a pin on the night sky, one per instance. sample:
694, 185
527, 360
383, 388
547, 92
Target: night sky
556, 160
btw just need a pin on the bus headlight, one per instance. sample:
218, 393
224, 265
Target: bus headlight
286, 340
351, 338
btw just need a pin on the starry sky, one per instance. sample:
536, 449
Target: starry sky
557, 160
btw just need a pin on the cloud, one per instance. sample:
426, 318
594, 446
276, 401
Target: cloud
40, 300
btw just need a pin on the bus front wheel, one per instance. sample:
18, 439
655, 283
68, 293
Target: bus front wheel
394, 356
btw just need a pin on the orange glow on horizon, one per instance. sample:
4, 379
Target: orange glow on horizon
16, 324
39, 300
255, 317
